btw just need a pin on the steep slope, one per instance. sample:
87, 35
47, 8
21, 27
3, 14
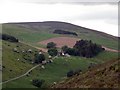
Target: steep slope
15, 59
106, 75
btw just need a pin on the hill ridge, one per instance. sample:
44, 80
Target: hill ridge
51, 23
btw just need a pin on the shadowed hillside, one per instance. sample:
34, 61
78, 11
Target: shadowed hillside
106, 75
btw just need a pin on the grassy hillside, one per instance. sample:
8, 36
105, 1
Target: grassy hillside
57, 70
46, 29
15, 64
102, 76
12, 67
29, 36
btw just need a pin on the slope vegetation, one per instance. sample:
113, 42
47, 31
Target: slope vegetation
106, 75
57, 70
16, 62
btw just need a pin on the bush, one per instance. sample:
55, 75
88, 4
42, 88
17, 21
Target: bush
70, 73
39, 58
37, 82
52, 51
77, 72
87, 48
51, 45
65, 32
72, 51
8, 38
64, 48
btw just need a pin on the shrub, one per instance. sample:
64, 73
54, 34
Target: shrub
37, 82
51, 45
3, 66
58, 31
70, 73
64, 48
87, 48
10, 70
53, 51
39, 58
72, 51
77, 72
9, 38
84, 48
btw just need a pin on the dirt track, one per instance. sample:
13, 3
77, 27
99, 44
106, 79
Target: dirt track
61, 41
21, 75
109, 49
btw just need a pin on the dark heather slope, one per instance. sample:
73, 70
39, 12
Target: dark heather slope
106, 75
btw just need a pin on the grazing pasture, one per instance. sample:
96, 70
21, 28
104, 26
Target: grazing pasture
16, 59
57, 70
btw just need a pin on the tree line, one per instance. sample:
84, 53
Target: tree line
84, 48
65, 32
9, 38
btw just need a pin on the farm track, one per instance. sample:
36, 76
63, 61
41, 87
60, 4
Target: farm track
110, 50
43, 49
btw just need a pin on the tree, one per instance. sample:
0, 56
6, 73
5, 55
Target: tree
51, 45
39, 58
53, 51
84, 48
37, 82
58, 31
72, 51
8, 38
87, 48
64, 48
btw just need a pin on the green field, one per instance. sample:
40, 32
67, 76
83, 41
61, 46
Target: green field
57, 70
